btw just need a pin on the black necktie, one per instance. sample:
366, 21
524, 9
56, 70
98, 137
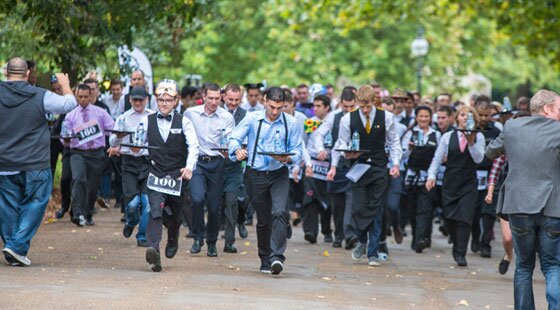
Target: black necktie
167, 118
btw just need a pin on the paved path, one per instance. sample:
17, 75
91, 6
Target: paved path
97, 268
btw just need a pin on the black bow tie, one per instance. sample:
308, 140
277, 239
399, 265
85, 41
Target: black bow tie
167, 118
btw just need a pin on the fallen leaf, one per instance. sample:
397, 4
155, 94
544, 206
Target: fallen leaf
243, 253
296, 250
368, 283
89, 230
438, 256
73, 230
326, 253
398, 276
93, 257
247, 243
51, 220
462, 302
321, 297
231, 267
510, 306
236, 289
100, 249
50, 248
487, 307
373, 298
473, 273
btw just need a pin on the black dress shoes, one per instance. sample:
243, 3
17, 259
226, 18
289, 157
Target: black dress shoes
328, 238
503, 267
242, 231
142, 243
212, 251
475, 247
89, 222
351, 242
310, 238
153, 258
461, 261
127, 231
59, 213
171, 248
196, 246
230, 248
485, 252
337, 243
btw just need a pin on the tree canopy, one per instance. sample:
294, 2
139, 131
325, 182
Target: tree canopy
512, 42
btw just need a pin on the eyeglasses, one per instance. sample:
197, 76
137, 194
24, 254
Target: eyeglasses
166, 101
166, 87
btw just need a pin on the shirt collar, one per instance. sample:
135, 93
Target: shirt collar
261, 115
430, 129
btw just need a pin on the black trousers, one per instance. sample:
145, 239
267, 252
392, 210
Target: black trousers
86, 177
338, 205
460, 233
66, 181
316, 192
420, 206
206, 186
269, 195
56, 149
164, 207
116, 162
311, 214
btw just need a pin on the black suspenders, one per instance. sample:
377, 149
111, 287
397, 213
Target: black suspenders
259, 133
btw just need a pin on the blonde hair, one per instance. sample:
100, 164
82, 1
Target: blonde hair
366, 93
541, 98
467, 108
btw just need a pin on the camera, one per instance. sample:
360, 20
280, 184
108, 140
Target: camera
54, 79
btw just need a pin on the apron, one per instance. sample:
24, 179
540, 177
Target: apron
459, 191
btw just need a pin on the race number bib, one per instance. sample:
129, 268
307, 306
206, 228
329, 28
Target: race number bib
482, 178
439, 176
87, 132
165, 185
320, 169
415, 178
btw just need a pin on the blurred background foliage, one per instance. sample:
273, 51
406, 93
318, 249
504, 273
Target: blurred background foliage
513, 43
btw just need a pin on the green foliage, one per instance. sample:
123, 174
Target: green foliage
512, 42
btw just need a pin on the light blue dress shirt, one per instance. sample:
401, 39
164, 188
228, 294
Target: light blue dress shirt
249, 127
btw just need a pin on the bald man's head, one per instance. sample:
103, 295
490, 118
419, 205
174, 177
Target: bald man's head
17, 69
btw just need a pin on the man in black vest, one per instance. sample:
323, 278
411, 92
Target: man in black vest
338, 189
485, 214
376, 130
172, 162
25, 172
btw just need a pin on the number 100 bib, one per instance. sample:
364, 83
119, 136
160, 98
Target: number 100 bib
165, 185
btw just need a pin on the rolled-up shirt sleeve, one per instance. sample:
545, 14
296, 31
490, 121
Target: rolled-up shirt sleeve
477, 149
56, 104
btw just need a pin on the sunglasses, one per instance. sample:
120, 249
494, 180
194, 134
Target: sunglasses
167, 87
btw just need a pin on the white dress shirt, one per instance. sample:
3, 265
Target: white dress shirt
209, 128
116, 108
476, 151
392, 141
164, 127
246, 106
408, 135
131, 121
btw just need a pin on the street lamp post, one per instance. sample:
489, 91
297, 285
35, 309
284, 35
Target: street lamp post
419, 49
